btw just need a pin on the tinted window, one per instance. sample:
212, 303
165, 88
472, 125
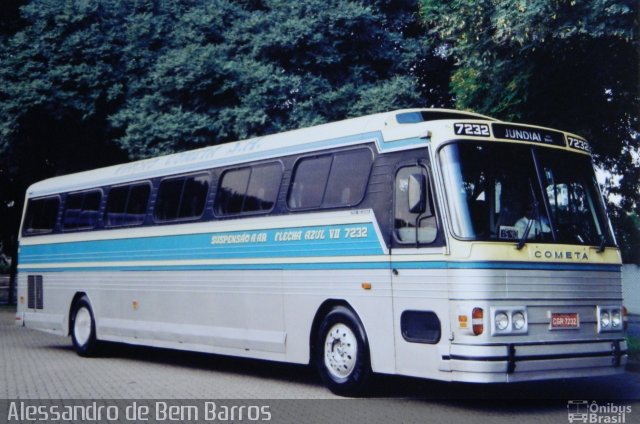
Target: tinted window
348, 178
263, 189
116, 203
127, 205
168, 200
249, 190
138, 199
333, 180
194, 197
182, 198
233, 187
81, 210
41, 215
309, 182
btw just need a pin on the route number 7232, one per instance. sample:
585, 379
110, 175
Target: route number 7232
478, 130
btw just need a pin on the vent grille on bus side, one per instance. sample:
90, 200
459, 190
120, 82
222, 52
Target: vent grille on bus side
35, 299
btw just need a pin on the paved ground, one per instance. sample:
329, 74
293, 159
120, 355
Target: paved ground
36, 365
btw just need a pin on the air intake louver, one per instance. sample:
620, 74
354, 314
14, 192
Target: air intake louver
34, 292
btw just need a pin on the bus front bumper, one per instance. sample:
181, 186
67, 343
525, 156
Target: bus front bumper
528, 362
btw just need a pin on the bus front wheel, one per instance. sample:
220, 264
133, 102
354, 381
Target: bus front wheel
342, 353
83, 328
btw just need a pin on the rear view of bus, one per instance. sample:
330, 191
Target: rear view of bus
534, 275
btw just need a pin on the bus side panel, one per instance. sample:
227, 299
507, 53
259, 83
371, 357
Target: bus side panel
230, 312
306, 291
43, 306
421, 291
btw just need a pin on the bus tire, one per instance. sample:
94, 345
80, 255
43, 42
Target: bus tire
342, 353
83, 329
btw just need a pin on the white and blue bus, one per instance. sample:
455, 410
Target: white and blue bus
430, 243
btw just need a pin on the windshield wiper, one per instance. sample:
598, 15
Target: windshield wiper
525, 236
603, 243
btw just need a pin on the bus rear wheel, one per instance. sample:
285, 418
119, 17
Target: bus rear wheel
342, 353
83, 328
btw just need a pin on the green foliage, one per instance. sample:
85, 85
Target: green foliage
633, 346
628, 233
566, 64
160, 76
86, 83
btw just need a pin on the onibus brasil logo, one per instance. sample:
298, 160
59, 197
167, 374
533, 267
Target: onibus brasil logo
585, 412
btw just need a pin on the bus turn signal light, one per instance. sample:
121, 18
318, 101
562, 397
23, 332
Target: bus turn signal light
477, 316
463, 321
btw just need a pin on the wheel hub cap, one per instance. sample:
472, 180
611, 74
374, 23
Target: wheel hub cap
340, 350
82, 326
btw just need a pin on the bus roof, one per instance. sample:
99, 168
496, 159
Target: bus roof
394, 130
281, 144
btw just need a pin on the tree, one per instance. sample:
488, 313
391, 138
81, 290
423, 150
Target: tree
87, 83
160, 76
228, 71
55, 83
566, 64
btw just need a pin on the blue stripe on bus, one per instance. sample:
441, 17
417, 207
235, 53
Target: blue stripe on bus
223, 267
297, 242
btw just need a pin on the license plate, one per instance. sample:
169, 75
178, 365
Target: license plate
565, 321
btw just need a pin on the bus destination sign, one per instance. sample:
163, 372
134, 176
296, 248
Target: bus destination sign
533, 135
578, 143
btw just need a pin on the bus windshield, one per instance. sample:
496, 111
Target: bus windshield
517, 192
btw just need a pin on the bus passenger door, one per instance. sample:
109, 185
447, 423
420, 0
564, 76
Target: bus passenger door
419, 284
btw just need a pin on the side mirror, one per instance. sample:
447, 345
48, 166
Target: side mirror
417, 193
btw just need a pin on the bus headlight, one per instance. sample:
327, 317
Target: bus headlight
616, 319
509, 320
518, 320
502, 321
610, 318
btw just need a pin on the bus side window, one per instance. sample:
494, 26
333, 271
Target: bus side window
168, 200
137, 203
194, 196
348, 179
81, 210
264, 185
309, 182
249, 190
330, 181
415, 220
182, 198
41, 215
127, 205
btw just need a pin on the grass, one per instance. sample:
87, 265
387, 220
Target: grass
633, 344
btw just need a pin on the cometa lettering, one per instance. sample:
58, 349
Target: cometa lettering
561, 255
